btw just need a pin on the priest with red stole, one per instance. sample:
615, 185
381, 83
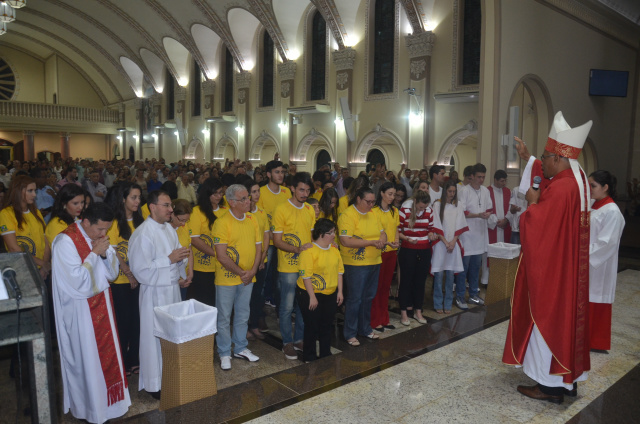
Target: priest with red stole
548, 333
499, 225
93, 374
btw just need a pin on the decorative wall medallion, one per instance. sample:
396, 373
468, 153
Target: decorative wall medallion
342, 80
418, 68
242, 95
285, 88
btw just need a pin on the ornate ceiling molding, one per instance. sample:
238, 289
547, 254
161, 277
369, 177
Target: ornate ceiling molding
220, 28
124, 46
76, 50
115, 63
156, 48
267, 18
331, 16
414, 13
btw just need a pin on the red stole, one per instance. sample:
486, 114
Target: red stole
600, 203
552, 282
101, 327
506, 198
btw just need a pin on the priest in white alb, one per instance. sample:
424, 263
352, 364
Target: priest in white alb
158, 262
93, 374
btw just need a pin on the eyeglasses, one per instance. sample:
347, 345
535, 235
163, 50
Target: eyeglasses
181, 221
244, 199
370, 202
166, 205
543, 157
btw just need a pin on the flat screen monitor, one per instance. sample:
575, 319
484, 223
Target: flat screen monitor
603, 82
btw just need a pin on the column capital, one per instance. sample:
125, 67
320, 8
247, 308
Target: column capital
28, 133
420, 44
344, 59
65, 134
243, 79
180, 93
208, 87
287, 70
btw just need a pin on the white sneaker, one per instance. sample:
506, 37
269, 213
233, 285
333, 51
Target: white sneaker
246, 354
225, 362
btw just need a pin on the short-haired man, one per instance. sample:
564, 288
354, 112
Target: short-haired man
237, 240
499, 227
271, 195
96, 189
405, 179
93, 375
477, 206
291, 227
158, 261
437, 176
70, 176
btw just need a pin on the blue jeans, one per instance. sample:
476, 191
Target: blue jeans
448, 288
287, 282
472, 265
236, 299
362, 282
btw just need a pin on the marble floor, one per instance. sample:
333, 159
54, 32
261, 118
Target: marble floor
448, 370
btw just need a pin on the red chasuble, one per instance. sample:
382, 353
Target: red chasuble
552, 282
506, 198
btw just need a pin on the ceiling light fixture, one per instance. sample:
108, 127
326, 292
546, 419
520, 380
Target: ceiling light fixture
17, 4
7, 13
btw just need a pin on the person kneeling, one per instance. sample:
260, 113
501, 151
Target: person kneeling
319, 291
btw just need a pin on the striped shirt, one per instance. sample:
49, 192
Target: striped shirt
422, 227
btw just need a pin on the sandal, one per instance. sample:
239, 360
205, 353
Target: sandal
447, 311
353, 342
440, 311
372, 336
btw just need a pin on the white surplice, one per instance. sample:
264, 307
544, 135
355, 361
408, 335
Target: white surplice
75, 281
149, 249
476, 240
517, 199
607, 224
454, 223
492, 222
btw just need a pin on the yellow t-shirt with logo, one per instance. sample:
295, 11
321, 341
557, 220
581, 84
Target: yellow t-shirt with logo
184, 237
390, 224
54, 227
366, 226
121, 246
269, 201
322, 266
242, 237
263, 225
295, 225
317, 195
199, 227
145, 211
343, 204
30, 237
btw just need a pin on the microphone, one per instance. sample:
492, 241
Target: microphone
9, 275
536, 182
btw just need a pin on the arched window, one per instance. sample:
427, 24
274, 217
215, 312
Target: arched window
196, 90
383, 46
267, 69
375, 157
323, 158
318, 58
471, 33
7, 81
169, 87
227, 84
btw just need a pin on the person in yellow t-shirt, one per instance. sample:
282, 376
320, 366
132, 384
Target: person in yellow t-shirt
125, 202
237, 240
67, 208
203, 217
390, 219
362, 238
22, 225
346, 200
271, 195
291, 227
256, 315
145, 211
319, 291
179, 220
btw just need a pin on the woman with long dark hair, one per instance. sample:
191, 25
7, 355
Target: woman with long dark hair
390, 219
125, 202
67, 208
204, 214
328, 205
607, 223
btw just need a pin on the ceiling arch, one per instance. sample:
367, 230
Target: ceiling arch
179, 57
208, 43
243, 27
135, 74
288, 14
155, 67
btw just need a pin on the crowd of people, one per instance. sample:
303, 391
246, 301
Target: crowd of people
240, 238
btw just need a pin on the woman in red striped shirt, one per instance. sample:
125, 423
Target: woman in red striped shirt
416, 233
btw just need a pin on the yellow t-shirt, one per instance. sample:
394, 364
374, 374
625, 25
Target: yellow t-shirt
30, 237
263, 225
184, 237
54, 227
366, 226
295, 225
145, 211
122, 248
329, 217
199, 227
390, 224
269, 201
322, 266
343, 204
317, 195
242, 237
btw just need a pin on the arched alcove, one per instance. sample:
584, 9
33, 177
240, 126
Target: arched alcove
317, 140
385, 141
226, 147
461, 144
195, 149
264, 145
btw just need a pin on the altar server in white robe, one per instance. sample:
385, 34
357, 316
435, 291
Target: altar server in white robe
607, 223
93, 374
158, 262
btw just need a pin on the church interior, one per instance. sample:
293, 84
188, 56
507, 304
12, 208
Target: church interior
399, 82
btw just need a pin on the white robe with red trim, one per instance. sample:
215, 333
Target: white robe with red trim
84, 387
454, 224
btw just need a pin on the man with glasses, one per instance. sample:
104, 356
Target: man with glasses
158, 261
549, 328
237, 240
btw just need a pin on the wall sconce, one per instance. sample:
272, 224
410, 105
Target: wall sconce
240, 129
155, 136
282, 125
415, 118
119, 138
338, 120
135, 137
176, 133
204, 131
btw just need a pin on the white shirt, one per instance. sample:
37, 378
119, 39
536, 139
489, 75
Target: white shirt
607, 224
476, 240
434, 195
517, 199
